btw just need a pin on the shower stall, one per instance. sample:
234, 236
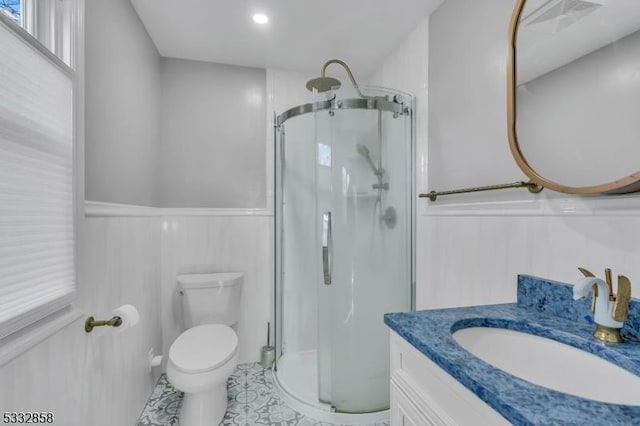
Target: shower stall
344, 248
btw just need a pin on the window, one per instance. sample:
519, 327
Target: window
37, 273
49, 21
12, 9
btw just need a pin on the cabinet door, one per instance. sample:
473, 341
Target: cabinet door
403, 412
433, 396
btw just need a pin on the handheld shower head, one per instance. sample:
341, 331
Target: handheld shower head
364, 151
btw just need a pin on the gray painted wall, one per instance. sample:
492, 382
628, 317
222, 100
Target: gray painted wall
212, 130
122, 106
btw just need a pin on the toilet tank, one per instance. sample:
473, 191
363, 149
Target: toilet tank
212, 298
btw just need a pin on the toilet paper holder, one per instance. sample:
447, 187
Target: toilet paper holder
91, 322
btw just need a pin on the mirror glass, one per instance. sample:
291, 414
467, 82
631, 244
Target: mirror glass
578, 89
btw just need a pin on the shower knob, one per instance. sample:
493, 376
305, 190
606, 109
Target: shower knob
390, 217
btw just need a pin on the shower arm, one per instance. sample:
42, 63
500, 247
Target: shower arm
346, 67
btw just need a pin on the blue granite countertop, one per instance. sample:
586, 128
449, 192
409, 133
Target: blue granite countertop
543, 310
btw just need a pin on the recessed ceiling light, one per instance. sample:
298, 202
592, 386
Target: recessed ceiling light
260, 18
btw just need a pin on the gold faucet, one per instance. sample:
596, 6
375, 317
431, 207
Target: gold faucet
609, 311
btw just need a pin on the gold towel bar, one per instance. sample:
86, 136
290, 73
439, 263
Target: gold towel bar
91, 322
531, 186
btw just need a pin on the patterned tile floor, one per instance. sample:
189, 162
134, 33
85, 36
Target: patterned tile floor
252, 401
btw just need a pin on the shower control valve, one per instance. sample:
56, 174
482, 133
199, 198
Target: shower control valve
390, 217
384, 186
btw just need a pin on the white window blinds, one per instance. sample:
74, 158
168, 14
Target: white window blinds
36, 184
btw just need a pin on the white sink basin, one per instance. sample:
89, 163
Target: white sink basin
551, 364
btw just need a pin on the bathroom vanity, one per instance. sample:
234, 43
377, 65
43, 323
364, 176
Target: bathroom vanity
436, 381
422, 393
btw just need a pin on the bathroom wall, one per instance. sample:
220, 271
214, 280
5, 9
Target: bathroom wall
122, 106
214, 189
471, 247
468, 143
212, 135
406, 69
121, 266
190, 136
200, 241
100, 378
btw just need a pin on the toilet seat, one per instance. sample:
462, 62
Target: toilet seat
203, 348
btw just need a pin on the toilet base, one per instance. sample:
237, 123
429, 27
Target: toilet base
204, 409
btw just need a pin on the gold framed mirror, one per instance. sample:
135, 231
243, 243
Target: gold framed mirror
573, 94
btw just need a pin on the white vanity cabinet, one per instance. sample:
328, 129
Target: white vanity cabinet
422, 394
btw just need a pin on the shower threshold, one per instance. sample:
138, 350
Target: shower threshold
297, 384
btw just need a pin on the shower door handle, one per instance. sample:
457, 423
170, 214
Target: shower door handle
327, 248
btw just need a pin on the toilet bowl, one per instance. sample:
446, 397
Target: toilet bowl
203, 357
200, 361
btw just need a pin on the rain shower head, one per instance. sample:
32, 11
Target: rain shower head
323, 83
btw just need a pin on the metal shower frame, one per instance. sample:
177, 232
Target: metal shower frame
395, 106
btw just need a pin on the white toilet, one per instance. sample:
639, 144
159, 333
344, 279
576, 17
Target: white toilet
203, 357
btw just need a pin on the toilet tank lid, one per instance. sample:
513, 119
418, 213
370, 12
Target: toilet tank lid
217, 279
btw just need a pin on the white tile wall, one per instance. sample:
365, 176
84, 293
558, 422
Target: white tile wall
123, 263
406, 69
494, 249
101, 378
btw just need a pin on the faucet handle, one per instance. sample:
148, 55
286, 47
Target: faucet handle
621, 305
609, 280
594, 288
585, 272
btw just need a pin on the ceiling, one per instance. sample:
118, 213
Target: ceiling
551, 44
301, 34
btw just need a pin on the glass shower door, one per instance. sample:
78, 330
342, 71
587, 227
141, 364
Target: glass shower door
364, 256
